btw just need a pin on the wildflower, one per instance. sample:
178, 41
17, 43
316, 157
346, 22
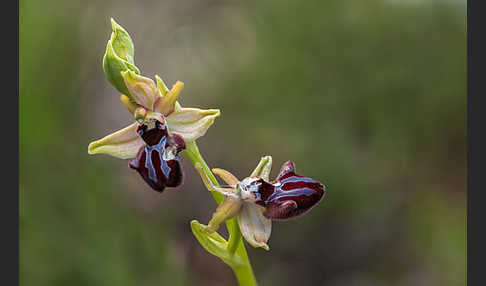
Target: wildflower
255, 201
156, 111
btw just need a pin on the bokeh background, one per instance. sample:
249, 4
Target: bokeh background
367, 96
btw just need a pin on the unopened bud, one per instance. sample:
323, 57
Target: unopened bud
119, 57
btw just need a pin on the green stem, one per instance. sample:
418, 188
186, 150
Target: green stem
244, 273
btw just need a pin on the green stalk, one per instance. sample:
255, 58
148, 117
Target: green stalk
244, 273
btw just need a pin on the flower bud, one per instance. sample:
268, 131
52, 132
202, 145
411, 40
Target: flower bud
119, 57
121, 42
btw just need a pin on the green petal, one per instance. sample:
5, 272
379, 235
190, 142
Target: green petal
191, 123
255, 228
123, 144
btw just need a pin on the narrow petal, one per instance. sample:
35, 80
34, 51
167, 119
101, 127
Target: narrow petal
210, 186
227, 177
263, 169
191, 123
165, 104
255, 228
123, 144
142, 89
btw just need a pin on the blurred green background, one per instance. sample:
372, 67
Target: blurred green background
368, 97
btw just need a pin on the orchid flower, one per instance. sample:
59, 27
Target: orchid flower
256, 202
144, 99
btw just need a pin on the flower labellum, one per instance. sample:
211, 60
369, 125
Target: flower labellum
289, 195
157, 162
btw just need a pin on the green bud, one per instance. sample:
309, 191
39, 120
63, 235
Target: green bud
119, 57
122, 43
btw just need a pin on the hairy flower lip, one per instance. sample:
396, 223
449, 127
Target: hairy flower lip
157, 162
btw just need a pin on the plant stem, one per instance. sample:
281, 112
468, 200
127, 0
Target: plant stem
244, 273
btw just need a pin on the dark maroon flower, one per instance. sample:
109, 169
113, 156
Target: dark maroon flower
289, 195
157, 162
256, 200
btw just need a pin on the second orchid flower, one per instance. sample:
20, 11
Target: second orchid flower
256, 201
